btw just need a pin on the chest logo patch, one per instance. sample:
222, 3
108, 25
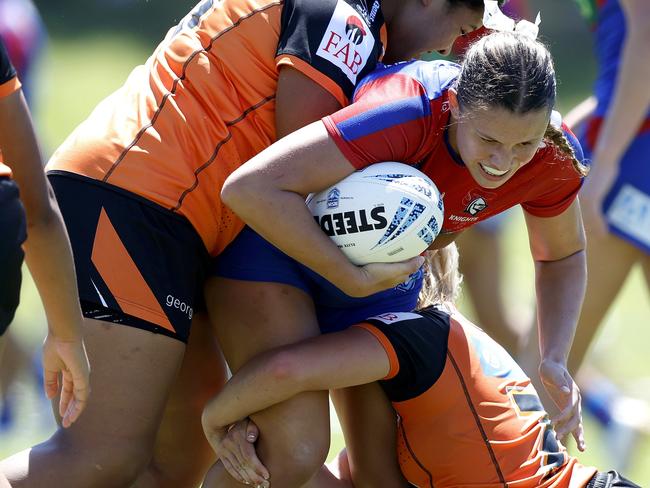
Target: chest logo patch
475, 206
347, 42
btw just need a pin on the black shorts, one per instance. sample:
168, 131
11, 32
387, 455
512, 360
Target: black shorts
611, 479
137, 263
13, 228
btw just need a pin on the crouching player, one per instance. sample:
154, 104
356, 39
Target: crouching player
467, 413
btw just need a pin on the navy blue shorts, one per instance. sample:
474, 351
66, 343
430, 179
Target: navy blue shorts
251, 258
14, 232
627, 205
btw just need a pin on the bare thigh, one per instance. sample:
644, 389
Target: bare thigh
609, 261
132, 371
370, 429
181, 454
250, 318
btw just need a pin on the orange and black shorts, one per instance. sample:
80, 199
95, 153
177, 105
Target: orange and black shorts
138, 264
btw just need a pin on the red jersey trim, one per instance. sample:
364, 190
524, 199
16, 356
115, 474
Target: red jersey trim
308, 70
388, 347
9, 87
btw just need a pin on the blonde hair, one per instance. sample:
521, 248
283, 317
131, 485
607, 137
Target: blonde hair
442, 279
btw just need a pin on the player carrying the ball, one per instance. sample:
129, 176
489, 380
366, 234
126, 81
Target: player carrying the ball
484, 133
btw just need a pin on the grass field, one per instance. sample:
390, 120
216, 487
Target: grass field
76, 74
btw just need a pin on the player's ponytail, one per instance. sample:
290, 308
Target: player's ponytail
442, 278
556, 137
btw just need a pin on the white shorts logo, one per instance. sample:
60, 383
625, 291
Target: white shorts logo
347, 42
389, 318
630, 212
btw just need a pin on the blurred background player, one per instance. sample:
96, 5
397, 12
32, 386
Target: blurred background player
614, 126
39, 230
23, 33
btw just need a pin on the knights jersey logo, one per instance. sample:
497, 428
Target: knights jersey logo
475, 206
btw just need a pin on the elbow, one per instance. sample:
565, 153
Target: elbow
286, 370
234, 190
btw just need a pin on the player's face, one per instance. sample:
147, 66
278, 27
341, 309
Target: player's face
426, 26
494, 143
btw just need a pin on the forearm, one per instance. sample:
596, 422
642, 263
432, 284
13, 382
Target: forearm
630, 103
268, 194
348, 358
49, 258
560, 287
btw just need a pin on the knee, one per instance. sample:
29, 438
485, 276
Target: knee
111, 464
295, 464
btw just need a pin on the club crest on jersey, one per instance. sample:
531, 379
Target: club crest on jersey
333, 197
347, 42
475, 206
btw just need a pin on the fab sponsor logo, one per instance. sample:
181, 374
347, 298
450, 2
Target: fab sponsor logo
347, 42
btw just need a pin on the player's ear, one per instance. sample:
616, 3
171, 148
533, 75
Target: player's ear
453, 102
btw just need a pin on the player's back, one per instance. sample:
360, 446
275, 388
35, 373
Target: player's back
469, 415
205, 96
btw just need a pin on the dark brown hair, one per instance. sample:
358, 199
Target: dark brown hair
516, 73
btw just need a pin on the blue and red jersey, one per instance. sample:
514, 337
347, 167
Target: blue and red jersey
608, 22
401, 113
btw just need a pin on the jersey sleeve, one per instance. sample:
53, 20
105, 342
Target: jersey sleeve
416, 344
561, 181
8, 80
390, 120
331, 42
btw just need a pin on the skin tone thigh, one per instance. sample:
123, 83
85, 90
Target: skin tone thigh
254, 317
481, 265
370, 430
609, 261
107, 447
182, 455
203, 371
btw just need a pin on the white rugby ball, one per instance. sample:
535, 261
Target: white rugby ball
384, 213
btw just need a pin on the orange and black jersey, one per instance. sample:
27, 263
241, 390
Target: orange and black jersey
469, 416
8, 84
204, 102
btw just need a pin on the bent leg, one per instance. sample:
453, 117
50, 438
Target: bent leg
132, 371
181, 454
252, 317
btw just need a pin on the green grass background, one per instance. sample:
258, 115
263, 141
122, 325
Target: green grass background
81, 66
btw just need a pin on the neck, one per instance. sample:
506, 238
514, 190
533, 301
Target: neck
389, 9
452, 132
